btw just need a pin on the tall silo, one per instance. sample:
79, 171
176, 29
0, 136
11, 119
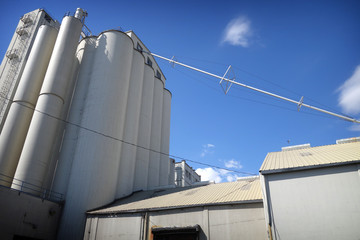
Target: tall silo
155, 140
86, 52
128, 152
18, 119
38, 145
93, 177
144, 134
165, 139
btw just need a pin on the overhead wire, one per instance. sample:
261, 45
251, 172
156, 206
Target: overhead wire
128, 143
267, 81
205, 83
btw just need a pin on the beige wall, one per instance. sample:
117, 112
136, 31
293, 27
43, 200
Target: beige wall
320, 203
25, 215
241, 221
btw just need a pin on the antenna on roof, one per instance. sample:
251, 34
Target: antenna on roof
230, 81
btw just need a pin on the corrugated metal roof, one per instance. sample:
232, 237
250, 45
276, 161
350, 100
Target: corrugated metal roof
311, 157
247, 190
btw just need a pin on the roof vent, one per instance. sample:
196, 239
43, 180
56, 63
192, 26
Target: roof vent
296, 147
348, 140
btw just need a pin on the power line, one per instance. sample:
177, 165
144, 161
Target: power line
123, 141
300, 103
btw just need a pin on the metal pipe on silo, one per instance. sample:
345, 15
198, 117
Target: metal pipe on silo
39, 142
95, 165
19, 117
144, 134
155, 140
128, 152
86, 52
165, 139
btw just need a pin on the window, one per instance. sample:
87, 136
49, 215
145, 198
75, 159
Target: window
149, 62
47, 18
158, 74
139, 47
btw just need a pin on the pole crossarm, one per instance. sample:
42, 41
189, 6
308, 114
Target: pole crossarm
298, 103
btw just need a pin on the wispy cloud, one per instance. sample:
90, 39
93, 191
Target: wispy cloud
237, 32
207, 149
355, 127
216, 175
349, 98
232, 164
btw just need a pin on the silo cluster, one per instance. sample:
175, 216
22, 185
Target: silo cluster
90, 120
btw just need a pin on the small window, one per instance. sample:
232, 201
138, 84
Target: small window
158, 74
149, 62
139, 47
47, 18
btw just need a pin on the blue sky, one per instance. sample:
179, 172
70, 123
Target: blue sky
292, 48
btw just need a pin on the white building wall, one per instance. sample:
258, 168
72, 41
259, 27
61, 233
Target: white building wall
94, 173
127, 226
185, 175
16, 56
240, 221
320, 203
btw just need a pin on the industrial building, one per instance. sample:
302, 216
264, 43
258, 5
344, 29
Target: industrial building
232, 210
313, 192
84, 153
79, 111
185, 175
17, 54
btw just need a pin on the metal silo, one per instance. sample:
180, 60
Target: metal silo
155, 140
38, 145
85, 55
18, 119
165, 139
93, 177
128, 152
144, 134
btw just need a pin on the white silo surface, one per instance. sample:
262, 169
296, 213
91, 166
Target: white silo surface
155, 140
144, 134
95, 166
86, 50
165, 139
38, 145
47, 183
18, 120
128, 152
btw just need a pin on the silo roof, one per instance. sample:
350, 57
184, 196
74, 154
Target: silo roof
311, 157
242, 191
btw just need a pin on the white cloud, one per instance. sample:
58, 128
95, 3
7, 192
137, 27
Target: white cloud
237, 32
355, 127
216, 175
232, 164
349, 98
207, 149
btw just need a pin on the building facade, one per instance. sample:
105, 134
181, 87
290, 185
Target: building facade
313, 192
17, 54
185, 175
88, 121
216, 211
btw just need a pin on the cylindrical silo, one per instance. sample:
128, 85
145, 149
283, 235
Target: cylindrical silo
128, 152
39, 141
155, 139
165, 139
18, 120
85, 55
144, 134
93, 176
